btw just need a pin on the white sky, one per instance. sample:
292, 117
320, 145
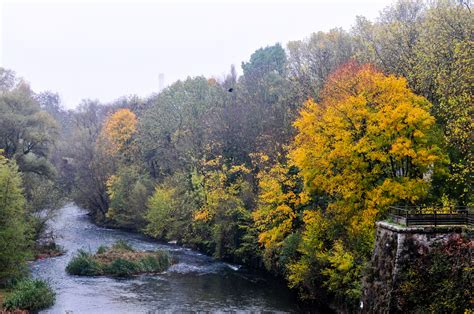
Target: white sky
107, 49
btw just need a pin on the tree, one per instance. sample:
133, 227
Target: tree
128, 190
258, 118
310, 61
223, 214
278, 211
271, 59
430, 44
26, 132
175, 131
14, 229
118, 135
391, 42
370, 143
27, 136
444, 73
91, 167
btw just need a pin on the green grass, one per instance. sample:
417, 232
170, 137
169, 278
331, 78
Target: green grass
122, 245
120, 260
31, 295
122, 268
83, 264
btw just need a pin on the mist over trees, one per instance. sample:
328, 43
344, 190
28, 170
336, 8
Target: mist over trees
286, 167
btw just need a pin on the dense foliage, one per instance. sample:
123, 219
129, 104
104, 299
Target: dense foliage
30, 294
14, 231
285, 167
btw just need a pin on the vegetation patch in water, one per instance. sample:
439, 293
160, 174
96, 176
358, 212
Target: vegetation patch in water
119, 260
31, 295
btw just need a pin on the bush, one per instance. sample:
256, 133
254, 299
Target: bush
154, 264
122, 268
101, 249
83, 264
122, 245
30, 294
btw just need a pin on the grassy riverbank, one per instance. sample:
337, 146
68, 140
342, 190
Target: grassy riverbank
119, 260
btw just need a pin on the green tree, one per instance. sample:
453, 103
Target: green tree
14, 229
174, 132
128, 190
27, 135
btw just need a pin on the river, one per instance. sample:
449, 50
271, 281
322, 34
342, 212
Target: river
196, 283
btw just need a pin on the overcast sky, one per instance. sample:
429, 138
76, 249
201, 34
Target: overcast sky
105, 49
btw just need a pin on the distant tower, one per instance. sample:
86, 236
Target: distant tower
161, 81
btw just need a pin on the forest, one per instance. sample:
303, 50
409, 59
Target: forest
285, 168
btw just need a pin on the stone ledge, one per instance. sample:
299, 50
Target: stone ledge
423, 229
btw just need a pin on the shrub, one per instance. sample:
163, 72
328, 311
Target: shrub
102, 249
122, 268
83, 264
122, 245
153, 264
30, 294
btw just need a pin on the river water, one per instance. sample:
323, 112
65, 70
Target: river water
196, 283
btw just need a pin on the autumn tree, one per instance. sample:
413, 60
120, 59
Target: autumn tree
127, 185
430, 44
368, 144
277, 217
118, 135
223, 214
128, 190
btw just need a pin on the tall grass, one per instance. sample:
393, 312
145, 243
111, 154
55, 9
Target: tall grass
83, 264
31, 295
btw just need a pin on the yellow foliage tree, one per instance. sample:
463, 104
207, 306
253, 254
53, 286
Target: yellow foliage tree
279, 201
118, 132
367, 145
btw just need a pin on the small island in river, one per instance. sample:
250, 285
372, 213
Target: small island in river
119, 260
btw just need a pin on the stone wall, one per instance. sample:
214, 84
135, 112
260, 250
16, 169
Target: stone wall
394, 247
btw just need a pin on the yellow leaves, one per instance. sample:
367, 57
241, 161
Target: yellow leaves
220, 188
366, 125
343, 272
118, 131
364, 147
202, 215
402, 148
277, 205
239, 169
111, 181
